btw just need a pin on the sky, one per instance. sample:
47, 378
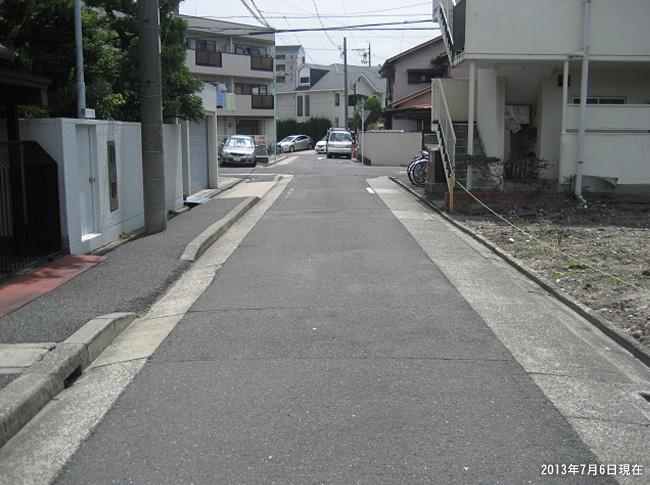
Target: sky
321, 47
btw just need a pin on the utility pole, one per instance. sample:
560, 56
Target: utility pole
81, 85
153, 167
345, 80
369, 56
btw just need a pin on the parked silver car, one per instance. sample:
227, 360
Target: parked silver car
239, 149
295, 142
321, 145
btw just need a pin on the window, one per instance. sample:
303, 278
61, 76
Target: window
241, 88
306, 105
279, 56
280, 67
299, 105
419, 77
601, 100
112, 176
250, 50
281, 79
201, 45
304, 80
337, 99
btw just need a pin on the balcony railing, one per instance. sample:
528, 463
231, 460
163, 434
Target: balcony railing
261, 101
261, 63
208, 58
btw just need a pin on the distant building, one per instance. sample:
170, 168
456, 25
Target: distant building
287, 60
319, 92
240, 66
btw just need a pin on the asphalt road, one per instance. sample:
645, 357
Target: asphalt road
329, 348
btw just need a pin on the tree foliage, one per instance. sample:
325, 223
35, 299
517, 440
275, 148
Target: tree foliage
316, 128
373, 105
42, 32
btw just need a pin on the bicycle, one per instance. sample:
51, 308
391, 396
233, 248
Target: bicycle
417, 169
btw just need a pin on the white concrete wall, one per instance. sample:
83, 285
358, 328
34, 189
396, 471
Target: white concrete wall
386, 148
457, 95
243, 107
59, 138
406, 125
552, 28
624, 117
622, 156
491, 111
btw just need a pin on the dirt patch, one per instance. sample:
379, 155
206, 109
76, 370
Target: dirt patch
614, 238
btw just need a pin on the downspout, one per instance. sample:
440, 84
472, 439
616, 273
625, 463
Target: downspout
582, 129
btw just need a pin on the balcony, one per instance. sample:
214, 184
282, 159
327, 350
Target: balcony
261, 101
261, 63
215, 63
629, 118
260, 105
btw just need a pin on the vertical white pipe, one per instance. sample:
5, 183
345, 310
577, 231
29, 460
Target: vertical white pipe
81, 85
565, 94
584, 87
470, 118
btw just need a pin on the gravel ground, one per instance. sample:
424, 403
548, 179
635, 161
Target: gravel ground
613, 238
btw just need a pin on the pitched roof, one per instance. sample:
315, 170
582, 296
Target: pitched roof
412, 50
334, 78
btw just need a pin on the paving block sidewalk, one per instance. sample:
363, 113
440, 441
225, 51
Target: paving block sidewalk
130, 279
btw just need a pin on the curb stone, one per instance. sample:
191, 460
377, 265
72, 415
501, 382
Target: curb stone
202, 242
612, 331
25, 396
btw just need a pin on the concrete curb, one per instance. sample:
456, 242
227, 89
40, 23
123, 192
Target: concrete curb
25, 396
270, 163
608, 328
202, 242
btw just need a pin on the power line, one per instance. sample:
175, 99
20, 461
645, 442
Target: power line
322, 25
254, 14
365, 12
261, 15
317, 29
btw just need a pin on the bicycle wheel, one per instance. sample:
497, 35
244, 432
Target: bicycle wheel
420, 172
409, 171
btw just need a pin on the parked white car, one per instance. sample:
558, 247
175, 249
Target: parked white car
321, 145
339, 142
295, 142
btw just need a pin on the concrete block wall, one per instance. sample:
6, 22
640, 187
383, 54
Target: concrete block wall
59, 137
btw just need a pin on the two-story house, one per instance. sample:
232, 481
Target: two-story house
287, 60
408, 78
240, 66
319, 92
566, 79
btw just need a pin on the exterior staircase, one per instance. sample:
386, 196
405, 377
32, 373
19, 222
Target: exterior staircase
461, 130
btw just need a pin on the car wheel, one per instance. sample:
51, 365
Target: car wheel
329, 156
309, 147
291, 149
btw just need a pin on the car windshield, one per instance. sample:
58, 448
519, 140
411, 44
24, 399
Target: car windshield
289, 138
239, 142
340, 136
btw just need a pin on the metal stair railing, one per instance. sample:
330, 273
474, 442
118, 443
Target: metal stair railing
445, 17
444, 130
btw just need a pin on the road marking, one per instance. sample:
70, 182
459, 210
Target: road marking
370, 191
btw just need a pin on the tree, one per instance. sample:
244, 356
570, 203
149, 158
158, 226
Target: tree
41, 32
373, 105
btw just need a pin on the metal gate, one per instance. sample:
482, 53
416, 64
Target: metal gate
198, 156
29, 205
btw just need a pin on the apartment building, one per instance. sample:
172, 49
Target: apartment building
239, 63
531, 63
287, 60
319, 92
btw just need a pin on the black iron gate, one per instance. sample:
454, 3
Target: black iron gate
29, 205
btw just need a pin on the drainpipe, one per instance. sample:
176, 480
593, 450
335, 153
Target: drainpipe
583, 99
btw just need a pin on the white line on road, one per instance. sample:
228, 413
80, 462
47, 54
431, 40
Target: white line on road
370, 191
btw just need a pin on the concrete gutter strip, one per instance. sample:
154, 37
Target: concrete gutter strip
204, 240
25, 396
612, 331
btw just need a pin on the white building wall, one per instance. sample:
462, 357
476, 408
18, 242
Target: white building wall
491, 111
625, 157
534, 28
